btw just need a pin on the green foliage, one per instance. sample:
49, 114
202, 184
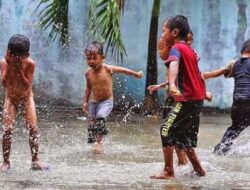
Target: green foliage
104, 25
54, 14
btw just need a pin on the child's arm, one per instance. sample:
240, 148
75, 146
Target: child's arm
153, 88
156, 87
226, 70
27, 76
172, 74
87, 93
213, 74
208, 95
6, 74
126, 71
3, 67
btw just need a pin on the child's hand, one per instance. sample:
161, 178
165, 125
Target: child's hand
173, 91
7, 59
139, 74
209, 96
206, 75
85, 107
15, 61
153, 88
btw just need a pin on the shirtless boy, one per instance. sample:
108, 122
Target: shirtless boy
99, 84
17, 71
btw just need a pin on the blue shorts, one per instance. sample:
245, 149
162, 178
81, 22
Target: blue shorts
100, 109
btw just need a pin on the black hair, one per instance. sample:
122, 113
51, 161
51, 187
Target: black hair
19, 45
179, 22
245, 47
93, 47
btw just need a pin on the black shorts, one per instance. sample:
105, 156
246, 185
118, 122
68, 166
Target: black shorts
181, 126
168, 105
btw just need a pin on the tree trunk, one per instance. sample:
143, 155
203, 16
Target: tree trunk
150, 101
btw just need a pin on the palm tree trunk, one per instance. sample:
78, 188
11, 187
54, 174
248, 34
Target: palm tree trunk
150, 101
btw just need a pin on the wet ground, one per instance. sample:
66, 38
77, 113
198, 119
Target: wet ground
132, 152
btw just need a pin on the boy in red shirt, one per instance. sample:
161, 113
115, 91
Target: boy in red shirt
187, 87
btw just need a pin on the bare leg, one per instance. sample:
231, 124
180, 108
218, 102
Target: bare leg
195, 161
8, 122
98, 145
168, 172
31, 121
181, 155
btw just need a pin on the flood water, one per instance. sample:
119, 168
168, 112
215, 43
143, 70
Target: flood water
132, 152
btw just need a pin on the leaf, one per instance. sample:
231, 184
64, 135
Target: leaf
55, 16
104, 24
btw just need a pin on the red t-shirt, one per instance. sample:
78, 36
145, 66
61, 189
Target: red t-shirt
189, 80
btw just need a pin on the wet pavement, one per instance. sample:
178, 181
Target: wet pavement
132, 152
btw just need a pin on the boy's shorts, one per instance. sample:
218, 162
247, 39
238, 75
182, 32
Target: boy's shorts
100, 109
168, 105
181, 126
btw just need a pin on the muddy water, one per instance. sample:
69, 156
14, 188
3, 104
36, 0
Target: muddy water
132, 152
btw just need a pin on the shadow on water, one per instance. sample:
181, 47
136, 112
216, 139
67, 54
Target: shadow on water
132, 152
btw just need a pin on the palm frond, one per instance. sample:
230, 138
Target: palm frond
54, 14
104, 25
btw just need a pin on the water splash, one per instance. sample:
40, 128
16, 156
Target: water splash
82, 118
124, 119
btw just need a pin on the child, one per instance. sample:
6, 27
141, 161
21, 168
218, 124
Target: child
186, 86
163, 50
17, 71
189, 40
169, 101
240, 113
100, 85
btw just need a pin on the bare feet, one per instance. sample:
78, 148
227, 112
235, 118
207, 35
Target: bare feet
5, 167
97, 148
199, 172
39, 166
162, 175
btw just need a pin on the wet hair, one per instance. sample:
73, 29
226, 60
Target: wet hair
179, 22
94, 47
19, 45
245, 47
